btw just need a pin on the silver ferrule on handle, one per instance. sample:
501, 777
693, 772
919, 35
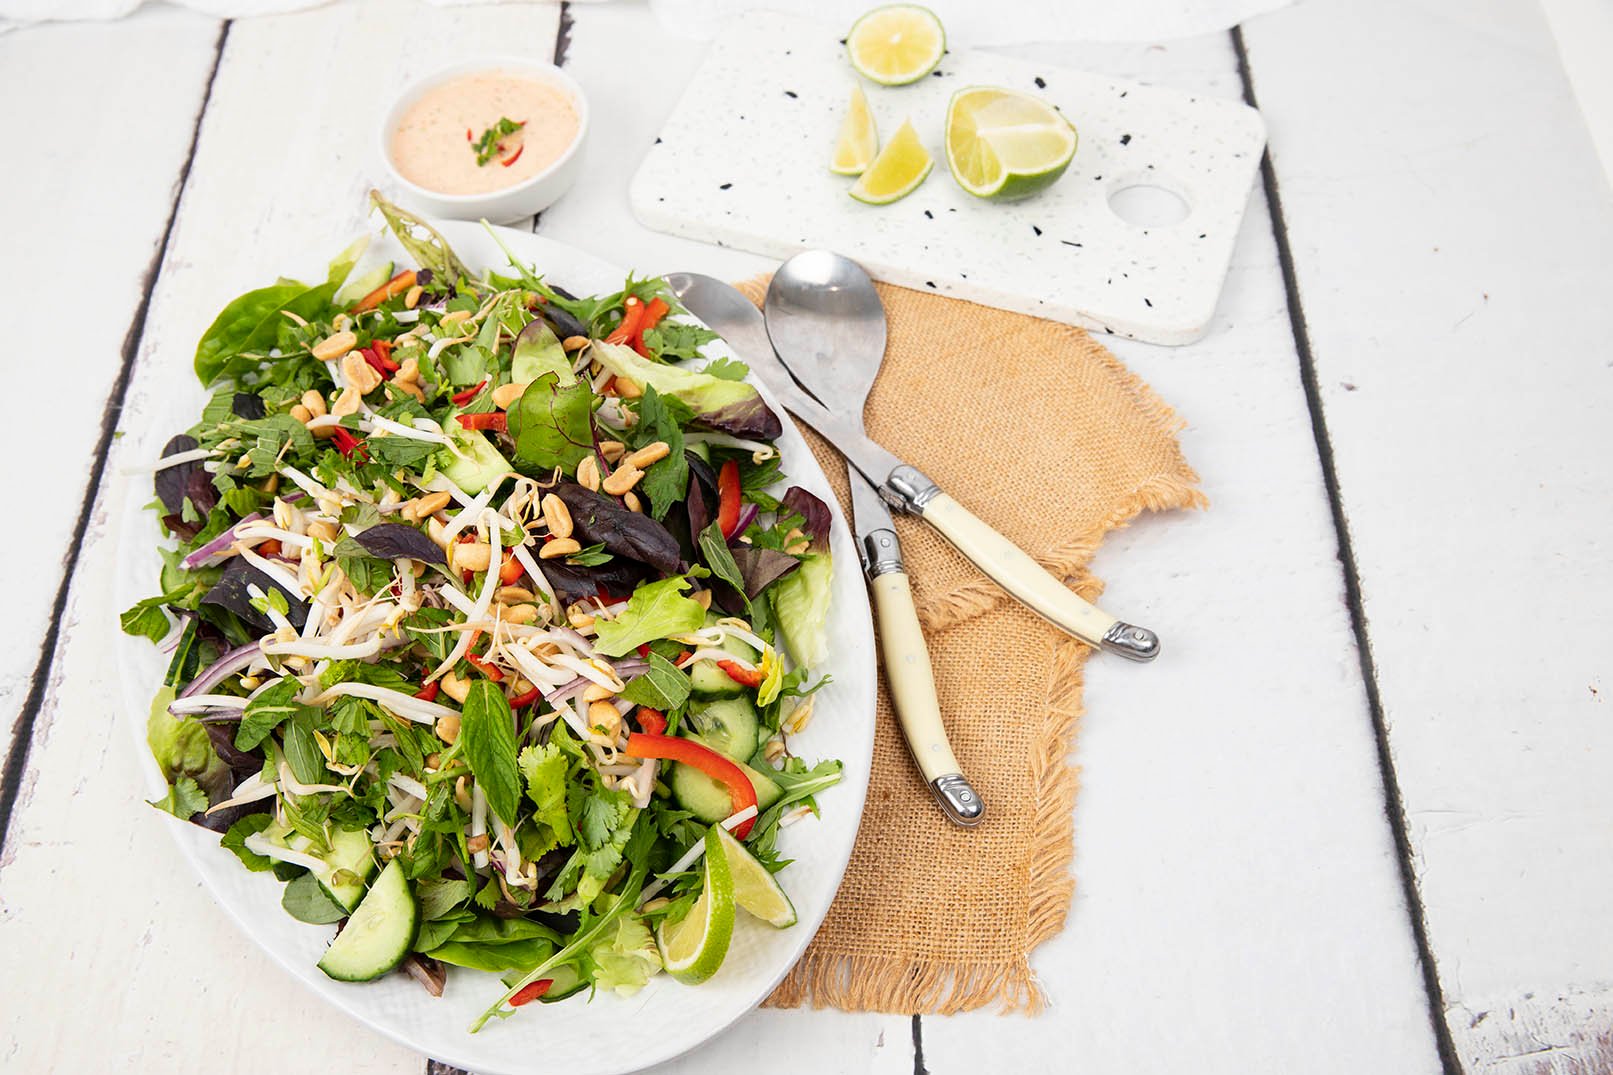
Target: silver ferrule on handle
908, 489
881, 553
958, 800
1130, 641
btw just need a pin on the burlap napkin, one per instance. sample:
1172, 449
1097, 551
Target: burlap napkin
1040, 431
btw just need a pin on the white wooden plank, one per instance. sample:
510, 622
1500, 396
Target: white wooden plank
1237, 900
97, 901
79, 134
1453, 267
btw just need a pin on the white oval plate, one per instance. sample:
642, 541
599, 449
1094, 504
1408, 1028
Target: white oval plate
609, 1034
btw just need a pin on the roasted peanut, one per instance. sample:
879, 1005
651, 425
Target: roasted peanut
409, 372
409, 388
701, 598
322, 530
622, 479
596, 693
588, 473
470, 556
628, 388
557, 548
506, 394
556, 515
651, 453
579, 617
521, 613
604, 720
612, 450
448, 726
632, 501
315, 403
300, 413
334, 346
796, 542
513, 595
574, 343
360, 374
347, 403
411, 298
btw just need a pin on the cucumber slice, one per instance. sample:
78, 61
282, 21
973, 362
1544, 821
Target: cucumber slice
708, 799
567, 983
379, 935
348, 865
707, 680
726, 725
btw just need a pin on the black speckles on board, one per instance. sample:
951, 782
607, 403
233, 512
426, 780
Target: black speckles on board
792, 78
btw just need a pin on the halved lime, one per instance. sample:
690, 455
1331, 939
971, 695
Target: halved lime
755, 890
896, 44
858, 140
1005, 145
901, 166
693, 947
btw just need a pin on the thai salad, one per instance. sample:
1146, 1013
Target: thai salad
489, 614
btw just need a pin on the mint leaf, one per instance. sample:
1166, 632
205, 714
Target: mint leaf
307, 901
147, 617
714, 550
267, 712
663, 687
487, 738
656, 610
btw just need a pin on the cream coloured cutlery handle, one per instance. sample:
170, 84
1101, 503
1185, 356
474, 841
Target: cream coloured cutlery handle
912, 687
1012, 569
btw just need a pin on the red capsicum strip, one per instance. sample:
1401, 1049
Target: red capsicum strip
653, 313
462, 398
650, 720
528, 993
522, 700
728, 498
380, 365
741, 793
389, 290
745, 677
632, 317
510, 572
428, 693
348, 444
495, 420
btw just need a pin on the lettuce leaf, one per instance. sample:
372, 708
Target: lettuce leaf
656, 610
732, 406
625, 956
801, 605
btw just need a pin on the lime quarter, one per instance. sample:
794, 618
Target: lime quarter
1005, 145
755, 889
896, 44
901, 166
859, 139
693, 947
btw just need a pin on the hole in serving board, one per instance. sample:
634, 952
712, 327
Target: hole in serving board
1144, 205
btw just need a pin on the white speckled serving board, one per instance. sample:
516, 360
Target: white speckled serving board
743, 162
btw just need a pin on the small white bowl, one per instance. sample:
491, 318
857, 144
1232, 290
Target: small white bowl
532, 195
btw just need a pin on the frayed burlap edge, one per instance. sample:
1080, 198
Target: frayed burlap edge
907, 983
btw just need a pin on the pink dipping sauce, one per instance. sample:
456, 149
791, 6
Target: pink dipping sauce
429, 147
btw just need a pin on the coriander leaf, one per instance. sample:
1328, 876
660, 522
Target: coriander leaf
663, 687
727, 369
656, 610
665, 481
266, 712
487, 739
185, 797
673, 340
544, 768
598, 813
487, 146
552, 425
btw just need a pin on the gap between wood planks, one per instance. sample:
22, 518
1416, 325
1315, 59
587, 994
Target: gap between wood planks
22, 731
1393, 807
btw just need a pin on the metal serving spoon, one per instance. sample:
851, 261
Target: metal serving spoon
833, 341
824, 318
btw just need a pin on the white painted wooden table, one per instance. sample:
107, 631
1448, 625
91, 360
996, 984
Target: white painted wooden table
1357, 819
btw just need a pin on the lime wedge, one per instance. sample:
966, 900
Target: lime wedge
693, 947
755, 890
1004, 145
896, 44
901, 166
858, 140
